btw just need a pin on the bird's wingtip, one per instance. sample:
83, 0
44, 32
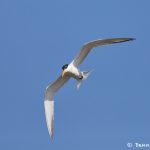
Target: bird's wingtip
51, 136
131, 39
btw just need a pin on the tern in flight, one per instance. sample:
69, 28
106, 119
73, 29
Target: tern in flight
72, 70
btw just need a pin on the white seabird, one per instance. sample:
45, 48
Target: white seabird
72, 70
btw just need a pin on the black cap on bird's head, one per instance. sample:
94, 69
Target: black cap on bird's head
64, 66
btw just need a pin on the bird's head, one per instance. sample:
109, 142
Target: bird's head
64, 68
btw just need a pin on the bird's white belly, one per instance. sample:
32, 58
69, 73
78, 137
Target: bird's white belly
74, 72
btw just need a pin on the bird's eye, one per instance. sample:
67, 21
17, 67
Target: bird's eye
65, 67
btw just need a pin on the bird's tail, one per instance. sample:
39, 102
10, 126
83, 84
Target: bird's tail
85, 74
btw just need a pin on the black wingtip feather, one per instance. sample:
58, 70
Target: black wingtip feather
131, 39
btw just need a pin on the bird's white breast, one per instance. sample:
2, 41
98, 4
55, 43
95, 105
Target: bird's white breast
73, 71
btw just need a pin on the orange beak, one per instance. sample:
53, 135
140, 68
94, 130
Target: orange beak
63, 73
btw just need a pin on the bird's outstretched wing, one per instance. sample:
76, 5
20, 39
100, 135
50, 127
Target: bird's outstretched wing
49, 102
88, 46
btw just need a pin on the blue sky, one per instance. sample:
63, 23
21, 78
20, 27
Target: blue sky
112, 106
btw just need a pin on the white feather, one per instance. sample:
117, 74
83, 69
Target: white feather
49, 113
49, 102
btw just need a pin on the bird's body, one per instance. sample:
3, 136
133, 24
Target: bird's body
72, 71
